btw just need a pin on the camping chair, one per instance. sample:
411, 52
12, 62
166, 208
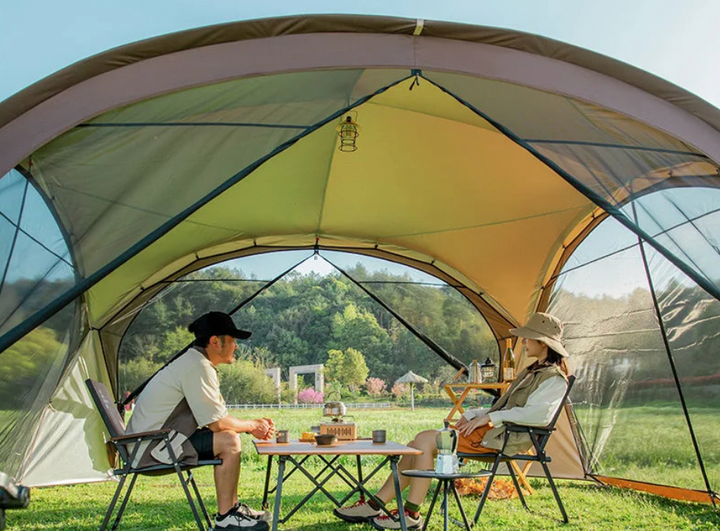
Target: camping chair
120, 441
539, 437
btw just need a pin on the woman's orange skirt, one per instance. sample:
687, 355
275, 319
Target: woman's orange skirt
472, 444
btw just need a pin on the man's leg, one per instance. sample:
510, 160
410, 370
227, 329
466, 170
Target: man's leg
226, 446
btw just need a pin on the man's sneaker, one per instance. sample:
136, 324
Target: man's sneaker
245, 510
386, 522
360, 511
236, 521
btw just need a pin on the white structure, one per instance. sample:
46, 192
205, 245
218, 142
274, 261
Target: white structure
304, 369
274, 373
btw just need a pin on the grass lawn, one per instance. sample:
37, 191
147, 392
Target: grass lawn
159, 503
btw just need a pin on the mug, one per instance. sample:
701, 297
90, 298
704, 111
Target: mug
283, 436
378, 436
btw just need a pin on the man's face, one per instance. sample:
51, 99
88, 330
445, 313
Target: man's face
228, 346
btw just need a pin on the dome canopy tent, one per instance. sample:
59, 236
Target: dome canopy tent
486, 157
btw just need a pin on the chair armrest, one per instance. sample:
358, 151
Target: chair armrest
519, 428
145, 435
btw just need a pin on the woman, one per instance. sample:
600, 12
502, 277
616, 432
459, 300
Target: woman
532, 400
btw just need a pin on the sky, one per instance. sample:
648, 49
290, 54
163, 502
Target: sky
675, 40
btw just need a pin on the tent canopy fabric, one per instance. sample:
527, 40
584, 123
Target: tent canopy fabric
487, 158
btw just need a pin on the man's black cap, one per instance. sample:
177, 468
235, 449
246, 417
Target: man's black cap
216, 324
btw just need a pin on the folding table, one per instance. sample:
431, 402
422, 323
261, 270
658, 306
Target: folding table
297, 454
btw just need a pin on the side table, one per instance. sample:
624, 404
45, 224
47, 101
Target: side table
495, 389
447, 483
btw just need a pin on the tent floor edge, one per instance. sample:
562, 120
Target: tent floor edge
666, 491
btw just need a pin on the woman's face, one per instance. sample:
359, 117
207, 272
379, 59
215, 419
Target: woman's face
535, 349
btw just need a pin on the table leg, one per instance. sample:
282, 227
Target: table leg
462, 511
278, 492
432, 505
445, 505
398, 492
360, 478
267, 483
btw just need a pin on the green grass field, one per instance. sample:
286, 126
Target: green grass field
159, 503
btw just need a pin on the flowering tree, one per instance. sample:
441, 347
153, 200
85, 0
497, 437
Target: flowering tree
310, 396
398, 390
375, 386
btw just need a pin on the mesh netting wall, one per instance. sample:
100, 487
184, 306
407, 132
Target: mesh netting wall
36, 267
648, 387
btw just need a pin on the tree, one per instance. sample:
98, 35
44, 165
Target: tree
355, 369
334, 366
348, 368
245, 382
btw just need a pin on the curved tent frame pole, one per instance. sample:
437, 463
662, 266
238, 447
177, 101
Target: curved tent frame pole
611, 209
19, 331
139, 388
444, 354
673, 368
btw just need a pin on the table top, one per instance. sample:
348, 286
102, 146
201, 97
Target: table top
435, 475
294, 447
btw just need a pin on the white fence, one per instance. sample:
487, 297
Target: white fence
361, 405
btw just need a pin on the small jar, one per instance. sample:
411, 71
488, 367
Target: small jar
487, 371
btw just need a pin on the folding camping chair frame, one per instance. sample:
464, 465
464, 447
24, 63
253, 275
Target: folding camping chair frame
539, 438
120, 441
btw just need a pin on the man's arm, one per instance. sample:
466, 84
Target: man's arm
259, 428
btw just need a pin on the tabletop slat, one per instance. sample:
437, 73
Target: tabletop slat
294, 447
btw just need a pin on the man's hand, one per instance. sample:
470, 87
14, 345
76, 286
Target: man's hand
471, 425
262, 429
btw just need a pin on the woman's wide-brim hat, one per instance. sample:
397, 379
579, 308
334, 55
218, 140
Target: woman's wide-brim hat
543, 327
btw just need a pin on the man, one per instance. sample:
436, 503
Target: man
185, 396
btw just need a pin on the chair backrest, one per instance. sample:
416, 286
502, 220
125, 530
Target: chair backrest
106, 406
571, 381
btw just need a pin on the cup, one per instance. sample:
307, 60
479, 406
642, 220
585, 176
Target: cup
283, 436
378, 436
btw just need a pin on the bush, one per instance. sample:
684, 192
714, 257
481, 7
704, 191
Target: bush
375, 386
399, 390
310, 396
245, 382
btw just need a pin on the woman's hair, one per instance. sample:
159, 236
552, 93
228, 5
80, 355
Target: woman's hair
555, 358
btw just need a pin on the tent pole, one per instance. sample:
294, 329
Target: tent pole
671, 360
139, 389
444, 354
29, 324
608, 207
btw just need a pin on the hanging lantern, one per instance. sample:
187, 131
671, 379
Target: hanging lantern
348, 131
487, 370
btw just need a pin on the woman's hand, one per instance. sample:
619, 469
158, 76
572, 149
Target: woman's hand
461, 422
471, 425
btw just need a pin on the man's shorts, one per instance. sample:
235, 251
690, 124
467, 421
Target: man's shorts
202, 441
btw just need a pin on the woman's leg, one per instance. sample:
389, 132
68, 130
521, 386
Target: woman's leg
425, 441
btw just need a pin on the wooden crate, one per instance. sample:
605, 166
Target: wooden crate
344, 431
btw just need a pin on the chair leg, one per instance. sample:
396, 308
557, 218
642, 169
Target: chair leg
201, 527
198, 497
116, 523
517, 487
554, 491
111, 507
486, 492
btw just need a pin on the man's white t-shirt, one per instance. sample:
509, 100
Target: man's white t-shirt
192, 376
